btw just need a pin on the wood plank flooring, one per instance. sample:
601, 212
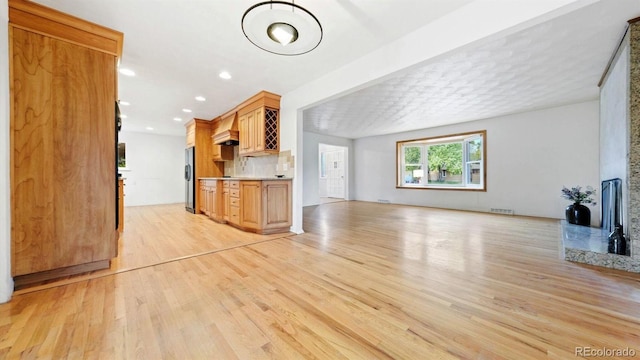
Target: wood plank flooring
164, 233
366, 281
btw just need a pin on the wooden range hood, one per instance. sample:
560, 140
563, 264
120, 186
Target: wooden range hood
226, 131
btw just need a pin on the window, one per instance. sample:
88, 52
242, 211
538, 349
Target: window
122, 155
445, 162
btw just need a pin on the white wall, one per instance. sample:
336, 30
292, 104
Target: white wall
311, 175
156, 168
530, 156
6, 282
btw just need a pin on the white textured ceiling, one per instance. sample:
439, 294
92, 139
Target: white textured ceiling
554, 63
178, 47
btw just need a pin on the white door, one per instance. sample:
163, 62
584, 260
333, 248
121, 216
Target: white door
335, 173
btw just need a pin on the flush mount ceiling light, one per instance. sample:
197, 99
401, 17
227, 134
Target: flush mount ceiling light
282, 28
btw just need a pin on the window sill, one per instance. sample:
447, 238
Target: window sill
458, 188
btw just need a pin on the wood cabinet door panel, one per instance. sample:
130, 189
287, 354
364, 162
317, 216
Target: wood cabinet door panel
258, 130
244, 129
250, 199
276, 204
203, 196
63, 164
225, 202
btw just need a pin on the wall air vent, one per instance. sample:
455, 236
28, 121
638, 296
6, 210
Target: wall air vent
502, 211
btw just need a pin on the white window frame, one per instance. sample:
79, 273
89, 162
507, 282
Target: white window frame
464, 139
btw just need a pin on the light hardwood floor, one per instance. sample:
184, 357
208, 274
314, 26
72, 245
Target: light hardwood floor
366, 281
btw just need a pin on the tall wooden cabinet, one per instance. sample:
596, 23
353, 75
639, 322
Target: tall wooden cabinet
199, 133
63, 167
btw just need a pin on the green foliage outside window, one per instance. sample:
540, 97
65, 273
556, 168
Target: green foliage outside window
412, 156
445, 156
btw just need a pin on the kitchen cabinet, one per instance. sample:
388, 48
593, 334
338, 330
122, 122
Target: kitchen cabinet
276, 205
250, 200
223, 130
202, 194
259, 125
205, 165
265, 206
256, 205
211, 195
191, 134
63, 130
221, 152
234, 202
225, 200
211, 200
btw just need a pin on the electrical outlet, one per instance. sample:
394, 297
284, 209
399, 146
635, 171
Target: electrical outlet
285, 167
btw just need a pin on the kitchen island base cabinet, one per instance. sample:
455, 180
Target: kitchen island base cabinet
259, 206
265, 206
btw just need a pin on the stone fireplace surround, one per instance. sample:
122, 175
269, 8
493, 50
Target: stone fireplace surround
619, 158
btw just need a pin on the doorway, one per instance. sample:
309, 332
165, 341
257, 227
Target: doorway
332, 164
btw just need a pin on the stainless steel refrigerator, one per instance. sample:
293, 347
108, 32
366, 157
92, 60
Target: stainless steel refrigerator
190, 182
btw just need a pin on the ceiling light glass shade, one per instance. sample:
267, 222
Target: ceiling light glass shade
261, 21
282, 33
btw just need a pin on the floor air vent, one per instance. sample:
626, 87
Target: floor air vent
502, 211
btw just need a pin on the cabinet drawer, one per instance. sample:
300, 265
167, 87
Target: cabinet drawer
234, 214
234, 201
234, 184
225, 183
234, 193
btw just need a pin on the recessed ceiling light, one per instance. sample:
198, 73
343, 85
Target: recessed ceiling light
225, 75
177, 119
149, 128
127, 72
201, 98
186, 110
125, 103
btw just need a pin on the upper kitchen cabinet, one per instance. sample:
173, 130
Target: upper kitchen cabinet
63, 143
259, 125
224, 134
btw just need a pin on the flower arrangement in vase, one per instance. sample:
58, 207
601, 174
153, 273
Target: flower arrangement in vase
577, 213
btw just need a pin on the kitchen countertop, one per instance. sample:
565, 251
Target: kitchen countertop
261, 178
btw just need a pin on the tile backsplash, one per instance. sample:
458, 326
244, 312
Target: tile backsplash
260, 166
